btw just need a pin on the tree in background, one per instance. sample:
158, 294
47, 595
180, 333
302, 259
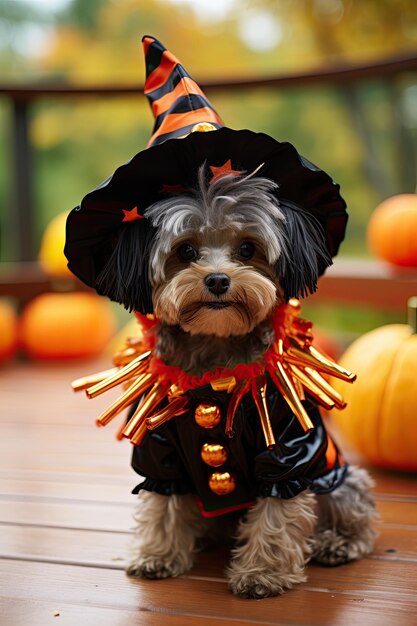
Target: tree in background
360, 134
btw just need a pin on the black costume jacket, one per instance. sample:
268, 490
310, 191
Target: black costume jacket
170, 457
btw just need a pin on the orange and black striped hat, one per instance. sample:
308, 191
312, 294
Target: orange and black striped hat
178, 104
170, 163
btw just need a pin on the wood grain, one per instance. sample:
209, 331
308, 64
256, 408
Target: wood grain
66, 520
111, 549
38, 613
359, 596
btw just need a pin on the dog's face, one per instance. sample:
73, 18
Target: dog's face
216, 283
213, 264
218, 259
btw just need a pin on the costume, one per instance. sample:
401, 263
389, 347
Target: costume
173, 460
226, 462
230, 435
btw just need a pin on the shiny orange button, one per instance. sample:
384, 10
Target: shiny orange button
214, 454
207, 415
222, 483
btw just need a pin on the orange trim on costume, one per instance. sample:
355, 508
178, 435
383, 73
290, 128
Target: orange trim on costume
176, 121
185, 87
331, 454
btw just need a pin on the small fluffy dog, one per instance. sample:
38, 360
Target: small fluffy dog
213, 231
222, 258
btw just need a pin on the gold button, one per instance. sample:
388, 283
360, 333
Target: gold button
214, 454
207, 415
222, 483
202, 127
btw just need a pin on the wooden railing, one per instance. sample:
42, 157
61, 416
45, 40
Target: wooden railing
356, 282
366, 283
347, 282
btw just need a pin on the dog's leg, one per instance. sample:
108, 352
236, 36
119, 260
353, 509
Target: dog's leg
344, 530
274, 544
165, 535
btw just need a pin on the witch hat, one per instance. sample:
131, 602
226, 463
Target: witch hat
178, 104
169, 165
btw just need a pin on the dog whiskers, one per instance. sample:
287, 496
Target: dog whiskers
242, 307
189, 313
239, 305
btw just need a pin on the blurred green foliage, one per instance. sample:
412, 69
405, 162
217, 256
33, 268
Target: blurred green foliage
361, 135
345, 323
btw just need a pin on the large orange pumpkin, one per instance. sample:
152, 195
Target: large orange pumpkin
392, 230
66, 325
8, 330
379, 421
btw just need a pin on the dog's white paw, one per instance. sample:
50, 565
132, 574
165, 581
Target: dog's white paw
258, 585
158, 567
332, 548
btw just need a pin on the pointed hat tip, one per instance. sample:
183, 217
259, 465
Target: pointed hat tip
178, 104
150, 42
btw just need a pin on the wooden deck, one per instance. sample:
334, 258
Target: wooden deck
65, 515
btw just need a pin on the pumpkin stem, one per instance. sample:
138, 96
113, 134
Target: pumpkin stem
412, 313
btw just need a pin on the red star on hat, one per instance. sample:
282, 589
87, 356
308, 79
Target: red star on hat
132, 215
223, 170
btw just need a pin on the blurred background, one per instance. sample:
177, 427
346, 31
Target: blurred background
55, 147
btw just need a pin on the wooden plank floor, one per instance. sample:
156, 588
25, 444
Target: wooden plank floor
66, 518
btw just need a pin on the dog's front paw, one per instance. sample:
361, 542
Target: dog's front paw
256, 585
332, 548
158, 567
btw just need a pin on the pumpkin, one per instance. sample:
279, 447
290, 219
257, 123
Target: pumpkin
379, 421
392, 230
51, 253
66, 325
8, 330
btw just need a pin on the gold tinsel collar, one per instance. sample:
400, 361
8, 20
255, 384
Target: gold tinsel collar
293, 364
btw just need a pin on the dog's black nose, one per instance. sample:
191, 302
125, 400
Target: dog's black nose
217, 283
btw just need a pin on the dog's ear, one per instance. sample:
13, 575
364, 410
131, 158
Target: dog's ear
305, 256
125, 277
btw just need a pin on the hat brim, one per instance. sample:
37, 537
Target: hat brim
93, 227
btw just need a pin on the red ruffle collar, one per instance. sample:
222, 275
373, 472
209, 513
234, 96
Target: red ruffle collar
283, 318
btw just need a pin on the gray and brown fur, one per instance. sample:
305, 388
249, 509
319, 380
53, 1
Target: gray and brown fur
215, 309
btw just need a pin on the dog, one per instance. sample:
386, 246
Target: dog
217, 268
212, 232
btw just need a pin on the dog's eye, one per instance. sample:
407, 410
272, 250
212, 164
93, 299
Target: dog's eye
187, 252
246, 250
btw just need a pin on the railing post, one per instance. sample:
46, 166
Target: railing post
22, 205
